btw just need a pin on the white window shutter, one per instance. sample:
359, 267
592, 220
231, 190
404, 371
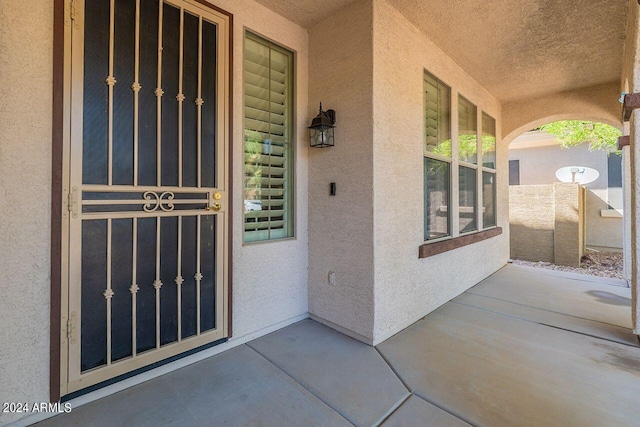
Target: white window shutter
267, 141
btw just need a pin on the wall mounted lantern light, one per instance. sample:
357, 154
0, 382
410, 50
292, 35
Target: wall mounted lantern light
321, 129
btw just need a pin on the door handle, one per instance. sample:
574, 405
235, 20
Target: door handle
215, 206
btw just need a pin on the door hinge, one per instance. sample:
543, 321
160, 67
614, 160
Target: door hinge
72, 202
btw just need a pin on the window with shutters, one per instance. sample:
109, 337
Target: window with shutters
268, 143
437, 158
459, 168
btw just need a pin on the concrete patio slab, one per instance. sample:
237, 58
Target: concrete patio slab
235, 388
556, 320
519, 349
348, 375
495, 370
418, 412
588, 300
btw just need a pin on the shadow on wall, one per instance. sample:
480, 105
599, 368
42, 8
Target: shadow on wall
531, 243
602, 231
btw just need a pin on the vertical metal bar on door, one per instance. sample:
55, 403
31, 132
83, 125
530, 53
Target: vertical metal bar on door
108, 293
111, 81
199, 102
179, 279
180, 96
134, 287
158, 283
136, 91
158, 92
198, 276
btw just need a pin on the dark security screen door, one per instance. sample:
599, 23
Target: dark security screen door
148, 179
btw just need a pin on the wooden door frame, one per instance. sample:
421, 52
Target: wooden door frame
57, 194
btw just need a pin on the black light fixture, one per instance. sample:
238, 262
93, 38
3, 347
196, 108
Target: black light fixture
321, 129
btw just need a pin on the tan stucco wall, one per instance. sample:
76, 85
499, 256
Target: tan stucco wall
597, 103
630, 80
407, 288
547, 223
568, 234
371, 72
635, 212
269, 280
532, 221
341, 226
626, 196
538, 166
602, 232
631, 83
26, 57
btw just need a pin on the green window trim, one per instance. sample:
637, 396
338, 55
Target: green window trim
268, 175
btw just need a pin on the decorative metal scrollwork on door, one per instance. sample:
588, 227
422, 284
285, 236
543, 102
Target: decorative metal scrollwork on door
159, 200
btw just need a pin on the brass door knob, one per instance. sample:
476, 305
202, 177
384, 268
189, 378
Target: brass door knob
215, 206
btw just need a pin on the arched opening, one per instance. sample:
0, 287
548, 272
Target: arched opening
536, 123
566, 195
597, 104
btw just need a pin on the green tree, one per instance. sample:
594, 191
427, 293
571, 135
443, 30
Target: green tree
575, 132
467, 146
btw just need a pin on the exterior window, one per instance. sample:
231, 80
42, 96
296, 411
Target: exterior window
436, 200
467, 198
489, 171
437, 118
437, 158
488, 199
467, 131
468, 169
268, 147
468, 159
488, 141
514, 172
614, 175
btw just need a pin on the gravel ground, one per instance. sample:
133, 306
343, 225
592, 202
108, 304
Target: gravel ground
602, 264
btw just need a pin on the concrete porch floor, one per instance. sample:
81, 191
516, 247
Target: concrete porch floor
524, 347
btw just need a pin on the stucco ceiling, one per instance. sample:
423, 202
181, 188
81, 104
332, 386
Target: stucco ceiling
305, 12
514, 48
523, 48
